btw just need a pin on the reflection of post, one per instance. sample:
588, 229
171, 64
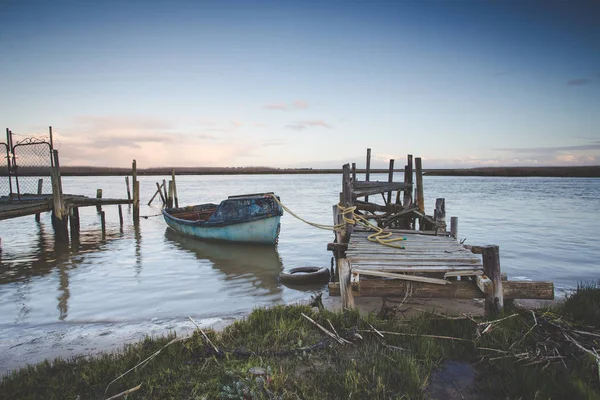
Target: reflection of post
39, 192
137, 234
61, 248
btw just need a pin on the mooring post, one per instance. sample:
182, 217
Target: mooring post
175, 199
345, 285
439, 214
353, 172
494, 301
419, 173
390, 179
99, 196
164, 186
408, 181
454, 227
39, 192
59, 219
170, 197
368, 170
128, 191
136, 193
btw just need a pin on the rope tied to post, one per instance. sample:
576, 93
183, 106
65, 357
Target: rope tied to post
350, 217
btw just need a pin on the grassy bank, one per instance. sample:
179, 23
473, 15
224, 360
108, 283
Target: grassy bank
279, 353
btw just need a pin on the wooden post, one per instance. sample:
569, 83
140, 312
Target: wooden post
368, 170
128, 191
74, 222
175, 199
353, 172
136, 201
136, 193
390, 179
99, 196
120, 215
454, 227
58, 208
347, 198
439, 214
103, 222
164, 186
408, 181
40, 186
159, 191
170, 197
494, 301
419, 172
345, 287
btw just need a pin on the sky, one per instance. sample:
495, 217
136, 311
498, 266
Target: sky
304, 83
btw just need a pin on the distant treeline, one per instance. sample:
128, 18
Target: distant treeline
587, 172
575, 172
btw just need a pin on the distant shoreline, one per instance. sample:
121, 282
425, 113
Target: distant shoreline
571, 172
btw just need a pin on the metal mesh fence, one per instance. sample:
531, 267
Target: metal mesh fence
32, 163
4, 178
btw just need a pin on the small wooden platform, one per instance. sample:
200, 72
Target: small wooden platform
35, 204
422, 254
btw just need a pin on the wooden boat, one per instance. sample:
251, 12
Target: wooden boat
252, 218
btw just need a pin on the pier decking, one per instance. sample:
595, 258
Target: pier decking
427, 261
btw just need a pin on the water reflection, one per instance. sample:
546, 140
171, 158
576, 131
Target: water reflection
258, 264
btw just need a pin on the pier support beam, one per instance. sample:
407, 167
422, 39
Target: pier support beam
59, 217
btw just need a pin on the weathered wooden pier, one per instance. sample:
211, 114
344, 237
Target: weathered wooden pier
64, 207
405, 252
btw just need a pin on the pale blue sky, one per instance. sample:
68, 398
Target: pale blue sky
304, 83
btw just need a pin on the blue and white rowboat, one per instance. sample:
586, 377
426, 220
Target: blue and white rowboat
250, 218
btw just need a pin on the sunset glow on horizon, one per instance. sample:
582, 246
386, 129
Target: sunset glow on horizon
304, 84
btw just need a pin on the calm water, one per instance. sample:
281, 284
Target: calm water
104, 290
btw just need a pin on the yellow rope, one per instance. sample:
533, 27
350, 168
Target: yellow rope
380, 236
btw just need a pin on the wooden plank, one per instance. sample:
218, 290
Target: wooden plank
455, 289
405, 269
463, 273
415, 259
413, 278
484, 284
381, 187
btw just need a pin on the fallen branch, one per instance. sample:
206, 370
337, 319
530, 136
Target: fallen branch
116, 396
204, 334
337, 338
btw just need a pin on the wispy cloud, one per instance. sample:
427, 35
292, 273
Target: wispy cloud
302, 125
273, 144
593, 145
579, 81
294, 105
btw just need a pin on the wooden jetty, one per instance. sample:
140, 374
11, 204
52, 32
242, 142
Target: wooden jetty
424, 259
64, 207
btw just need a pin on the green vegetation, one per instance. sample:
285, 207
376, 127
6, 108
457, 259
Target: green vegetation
278, 353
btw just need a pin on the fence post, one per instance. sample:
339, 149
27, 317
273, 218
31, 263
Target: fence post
39, 192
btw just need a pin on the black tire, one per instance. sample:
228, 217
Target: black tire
305, 276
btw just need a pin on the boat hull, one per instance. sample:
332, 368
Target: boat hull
263, 230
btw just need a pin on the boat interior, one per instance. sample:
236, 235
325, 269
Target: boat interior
194, 215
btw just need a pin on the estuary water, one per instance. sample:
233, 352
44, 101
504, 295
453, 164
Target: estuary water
105, 290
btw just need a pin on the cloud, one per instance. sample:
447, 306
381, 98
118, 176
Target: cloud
294, 105
579, 82
273, 144
593, 145
116, 140
302, 125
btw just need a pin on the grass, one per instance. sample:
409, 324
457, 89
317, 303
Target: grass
277, 353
